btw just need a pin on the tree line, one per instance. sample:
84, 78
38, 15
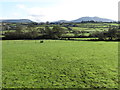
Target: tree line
31, 32
56, 32
113, 33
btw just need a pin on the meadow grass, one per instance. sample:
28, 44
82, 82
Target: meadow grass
59, 64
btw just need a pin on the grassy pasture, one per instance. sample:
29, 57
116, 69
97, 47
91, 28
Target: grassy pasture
89, 29
59, 64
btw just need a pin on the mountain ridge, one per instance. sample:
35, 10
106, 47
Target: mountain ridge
16, 20
96, 19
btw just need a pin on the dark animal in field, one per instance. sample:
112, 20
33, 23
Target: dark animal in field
41, 42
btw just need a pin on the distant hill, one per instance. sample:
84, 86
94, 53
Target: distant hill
61, 21
16, 20
96, 19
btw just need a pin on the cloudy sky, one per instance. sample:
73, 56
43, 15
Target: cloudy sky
53, 10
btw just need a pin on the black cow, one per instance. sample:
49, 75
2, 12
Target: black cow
41, 42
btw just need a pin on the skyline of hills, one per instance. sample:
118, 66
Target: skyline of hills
96, 19
16, 20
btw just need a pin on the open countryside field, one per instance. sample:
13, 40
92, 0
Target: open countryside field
60, 64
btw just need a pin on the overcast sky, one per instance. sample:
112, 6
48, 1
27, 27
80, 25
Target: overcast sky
53, 10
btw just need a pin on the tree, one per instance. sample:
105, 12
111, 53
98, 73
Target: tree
48, 32
112, 33
54, 33
41, 30
17, 34
32, 32
99, 35
57, 32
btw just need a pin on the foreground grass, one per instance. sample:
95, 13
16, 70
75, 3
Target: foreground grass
60, 64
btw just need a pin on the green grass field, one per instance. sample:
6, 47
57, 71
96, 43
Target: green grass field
60, 64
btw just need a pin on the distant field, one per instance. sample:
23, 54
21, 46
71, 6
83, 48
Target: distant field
60, 64
87, 27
